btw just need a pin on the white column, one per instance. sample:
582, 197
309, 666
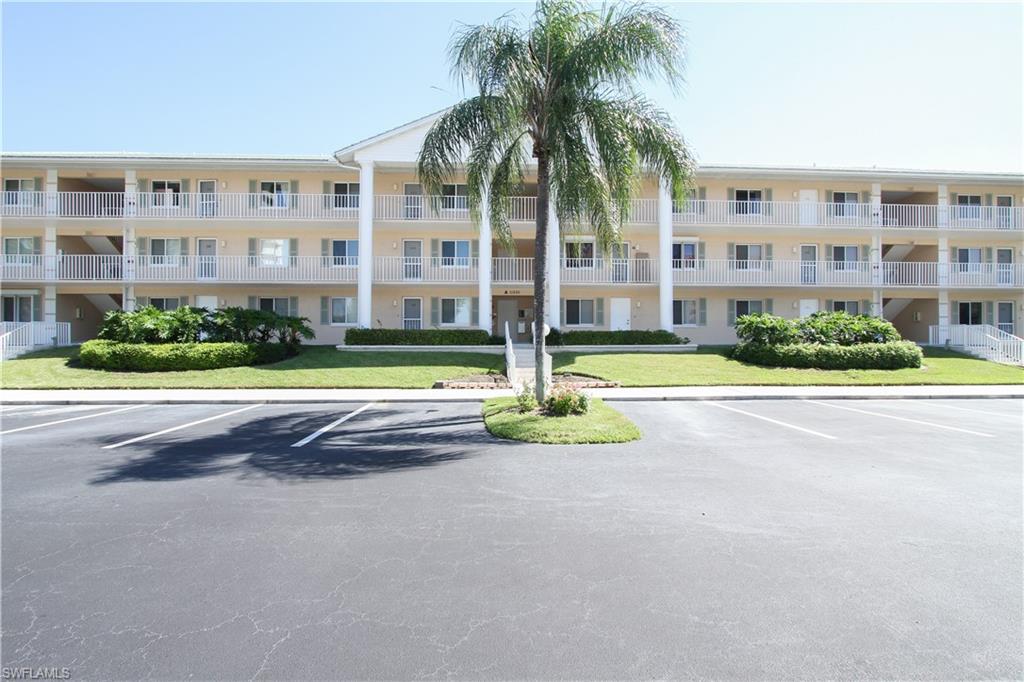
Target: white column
484, 266
50, 252
664, 256
130, 251
943, 260
876, 303
875, 260
364, 304
943, 202
131, 188
50, 304
943, 316
128, 299
52, 205
554, 316
876, 203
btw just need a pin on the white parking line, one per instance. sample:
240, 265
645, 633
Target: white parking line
1015, 417
71, 419
67, 408
319, 432
4, 409
773, 421
903, 419
180, 426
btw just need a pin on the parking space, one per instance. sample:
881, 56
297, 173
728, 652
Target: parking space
835, 538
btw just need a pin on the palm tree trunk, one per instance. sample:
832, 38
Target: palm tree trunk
540, 275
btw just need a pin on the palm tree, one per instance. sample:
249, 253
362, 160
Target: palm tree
563, 89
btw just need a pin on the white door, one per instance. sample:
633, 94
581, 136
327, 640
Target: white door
206, 258
620, 314
208, 302
207, 198
1004, 313
412, 263
808, 207
808, 306
808, 263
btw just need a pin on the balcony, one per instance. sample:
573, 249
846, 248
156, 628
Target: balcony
414, 207
821, 214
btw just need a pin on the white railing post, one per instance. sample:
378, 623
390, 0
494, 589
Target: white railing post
364, 290
665, 256
484, 265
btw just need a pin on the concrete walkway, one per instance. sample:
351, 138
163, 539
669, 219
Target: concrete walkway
322, 395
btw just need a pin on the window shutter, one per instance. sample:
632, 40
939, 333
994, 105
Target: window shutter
561, 303
865, 307
435, 311
954, 312
829, 195
328, 189
865, 252
325, 315
768, 305
598, 311
954, 255
828, 305
253, 199
989, 310
37, 185
474, 248
474, 311
293, 186
254, 303
186, 186
730, 194
702, 312
141, 302
865, 197
828, 252
183, 301
184, 246
142, 246
701, 249
37, 308
952, 198
988, 254
293, 251
293, 306
435, 248
730, 250
988, 199
766, 193
766, 250
325, 251
37, 246
141, 185
702, 195
730, 312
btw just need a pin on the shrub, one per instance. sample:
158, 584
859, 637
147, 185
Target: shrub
845, 329
525, 398
417, 337
562, 402
172, 357
198, 325
763, 329
624, 337
554, 337
892, 355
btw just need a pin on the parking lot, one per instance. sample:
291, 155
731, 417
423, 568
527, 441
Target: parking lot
739, 539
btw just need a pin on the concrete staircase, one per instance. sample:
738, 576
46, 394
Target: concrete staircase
894, 306
103, 302
526, 367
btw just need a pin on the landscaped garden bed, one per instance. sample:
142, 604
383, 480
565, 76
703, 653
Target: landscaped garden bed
568, 417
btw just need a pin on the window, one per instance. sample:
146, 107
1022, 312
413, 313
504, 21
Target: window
748, 307
13, 188
969, 312
748, 201
274, 305
412, 313
852, 307
344, 252
17, 309
845, 257
343, 310
274, 194
164, 251
684, 255
748, 256
684, 312
273, 252
346, 195
455, 311
968, 260
455, 197
166, 192
968, 206
165, 303
844, 203
579, 254
455, 253
18, 250
579, 311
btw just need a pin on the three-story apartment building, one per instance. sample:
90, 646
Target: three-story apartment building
349, 240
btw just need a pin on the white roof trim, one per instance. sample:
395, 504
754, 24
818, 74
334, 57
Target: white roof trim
347, 154
153, 160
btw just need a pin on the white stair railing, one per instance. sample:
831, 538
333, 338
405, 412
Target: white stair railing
15, 340
21, 337
981, 340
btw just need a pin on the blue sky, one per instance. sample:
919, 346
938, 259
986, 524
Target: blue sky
909, 85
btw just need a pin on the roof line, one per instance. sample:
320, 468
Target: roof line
392, 131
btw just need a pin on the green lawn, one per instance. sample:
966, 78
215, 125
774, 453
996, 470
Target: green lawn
314, 367
712, 368
601, 425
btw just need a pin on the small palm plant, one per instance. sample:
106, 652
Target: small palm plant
564, 90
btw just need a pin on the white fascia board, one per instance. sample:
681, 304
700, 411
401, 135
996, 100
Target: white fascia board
142, 160
857, 174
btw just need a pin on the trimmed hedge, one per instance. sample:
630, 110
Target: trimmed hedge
631, 337
417, 337
820, 328
176, 357
893, 355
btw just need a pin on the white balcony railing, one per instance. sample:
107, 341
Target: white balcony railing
21, 337
391, 269
609, 271
456, 209
967, 275
507, 270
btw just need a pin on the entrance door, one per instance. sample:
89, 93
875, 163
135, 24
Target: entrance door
412, 259
207, 198
1004, 316
620, 314
808, 306
413, 201
508, 312
1004, 211
620, 262
412, 313
808, 263
206, 255
808, 207
208, 302
1004, 266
